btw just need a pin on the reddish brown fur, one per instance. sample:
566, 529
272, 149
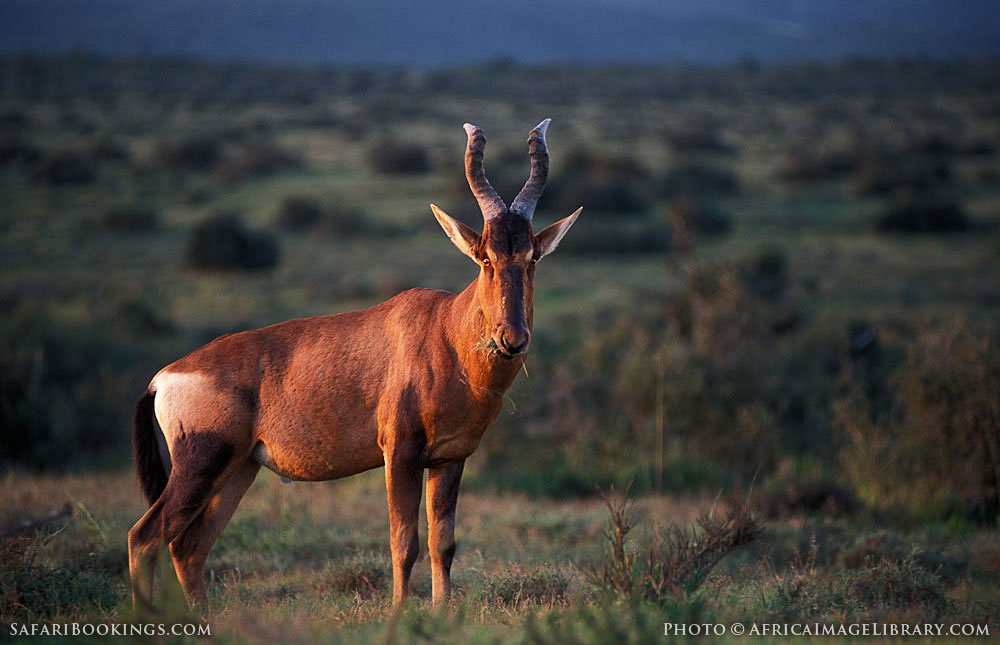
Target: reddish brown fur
412, 384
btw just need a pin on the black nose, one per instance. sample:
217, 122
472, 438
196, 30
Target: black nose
513, 346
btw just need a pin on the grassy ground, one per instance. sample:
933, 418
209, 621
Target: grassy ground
309, 563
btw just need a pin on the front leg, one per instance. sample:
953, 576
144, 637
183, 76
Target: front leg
404, 473
442, 498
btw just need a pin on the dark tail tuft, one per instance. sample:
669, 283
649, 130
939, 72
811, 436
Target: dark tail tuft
148, 466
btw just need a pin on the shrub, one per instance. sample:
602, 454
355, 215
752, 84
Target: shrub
62, 391
807, 164
33, 588
516, 586
365, 573
300, 214
194, 154
676, 563
878, 589
389, 157
140, 318
255, 158
934, 450
809, 497
949, 388
65, 168
923, 212
698, 216
887, 174
700, 180
224, 242
597, 193
601, 184
892, 584
15, 151
698, 140
605, 236
131, 219
306, 214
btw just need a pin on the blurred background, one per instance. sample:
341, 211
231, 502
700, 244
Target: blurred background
787, 273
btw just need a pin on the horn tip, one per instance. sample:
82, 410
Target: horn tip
470, 128
543, 126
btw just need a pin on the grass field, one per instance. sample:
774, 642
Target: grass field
783, 291
309, 562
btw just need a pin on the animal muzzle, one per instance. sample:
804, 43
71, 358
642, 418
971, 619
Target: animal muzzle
512, 341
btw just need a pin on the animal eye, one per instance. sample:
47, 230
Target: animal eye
486, 262
534, 260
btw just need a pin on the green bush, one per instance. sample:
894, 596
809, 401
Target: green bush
307, 214
678, 560
223, 242
884, 175
65, 392
388, 157
700, 180
600, 184
922, 212
254, 158
933, 449
131, 219
593, 235
65, 167
196, 154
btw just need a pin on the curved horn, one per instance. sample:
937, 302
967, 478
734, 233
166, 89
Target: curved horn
489, 201
526, 200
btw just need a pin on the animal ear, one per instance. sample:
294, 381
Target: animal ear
466, 239
550, 236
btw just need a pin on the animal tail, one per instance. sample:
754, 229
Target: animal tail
149, 468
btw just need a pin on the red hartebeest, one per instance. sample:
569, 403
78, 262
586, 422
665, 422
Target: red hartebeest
411, 384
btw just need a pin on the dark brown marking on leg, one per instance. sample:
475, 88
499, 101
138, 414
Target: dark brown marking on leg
191, 548
442, 500
202, 463
403, 451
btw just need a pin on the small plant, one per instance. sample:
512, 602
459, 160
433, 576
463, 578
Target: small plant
365, 573
677, 562
516, 586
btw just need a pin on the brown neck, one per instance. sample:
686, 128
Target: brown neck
489, 374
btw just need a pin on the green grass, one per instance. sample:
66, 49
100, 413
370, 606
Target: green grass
311, 562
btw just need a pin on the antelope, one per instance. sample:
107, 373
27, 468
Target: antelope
411, 384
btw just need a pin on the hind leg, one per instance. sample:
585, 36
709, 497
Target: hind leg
191, 548
202, 466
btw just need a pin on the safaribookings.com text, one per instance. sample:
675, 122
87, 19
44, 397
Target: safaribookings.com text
109, 629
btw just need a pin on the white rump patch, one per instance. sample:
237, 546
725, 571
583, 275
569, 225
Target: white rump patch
177, 393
